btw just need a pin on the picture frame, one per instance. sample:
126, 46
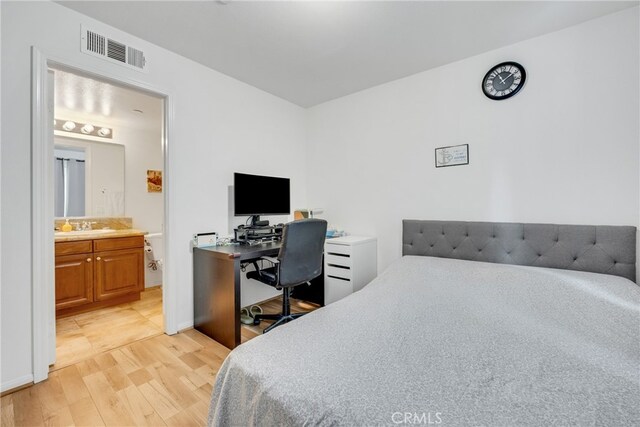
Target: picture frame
452, 155
154, 181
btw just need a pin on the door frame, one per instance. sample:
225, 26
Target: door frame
42, 210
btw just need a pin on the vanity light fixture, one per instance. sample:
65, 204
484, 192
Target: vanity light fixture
82, 129
87, 129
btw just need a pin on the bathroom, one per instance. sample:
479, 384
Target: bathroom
108, 198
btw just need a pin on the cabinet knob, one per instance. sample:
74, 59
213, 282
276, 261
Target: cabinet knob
98, 258
88, 259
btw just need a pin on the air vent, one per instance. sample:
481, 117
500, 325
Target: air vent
95, 43
99, 45
135, 57
116, 51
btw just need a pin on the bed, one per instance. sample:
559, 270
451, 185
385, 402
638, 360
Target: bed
477, 324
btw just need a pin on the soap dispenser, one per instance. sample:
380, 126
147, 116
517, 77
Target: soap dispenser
66, 226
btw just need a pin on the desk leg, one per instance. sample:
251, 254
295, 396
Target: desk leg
216, 297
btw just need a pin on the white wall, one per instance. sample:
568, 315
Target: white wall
143, 151
564, 150
220, 124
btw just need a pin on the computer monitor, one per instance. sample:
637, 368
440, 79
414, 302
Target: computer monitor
257, 195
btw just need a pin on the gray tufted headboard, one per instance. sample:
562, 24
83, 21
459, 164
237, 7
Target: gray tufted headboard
593, 248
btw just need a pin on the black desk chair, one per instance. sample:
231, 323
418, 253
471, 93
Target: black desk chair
299, 261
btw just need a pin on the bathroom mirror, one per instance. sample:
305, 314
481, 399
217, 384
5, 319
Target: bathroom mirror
88, 178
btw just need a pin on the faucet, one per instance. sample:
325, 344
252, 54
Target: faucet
87, 225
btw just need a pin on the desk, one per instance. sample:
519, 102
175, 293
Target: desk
216, 288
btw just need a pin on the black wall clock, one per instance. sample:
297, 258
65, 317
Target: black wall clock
504, 80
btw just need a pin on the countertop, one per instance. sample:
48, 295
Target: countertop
88, 235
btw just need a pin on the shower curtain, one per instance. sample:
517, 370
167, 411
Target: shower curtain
69, 187
58, 189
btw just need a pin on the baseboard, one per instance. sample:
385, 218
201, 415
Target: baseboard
184, 326
19, 382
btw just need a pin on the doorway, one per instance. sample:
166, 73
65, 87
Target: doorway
107, 168
156, 305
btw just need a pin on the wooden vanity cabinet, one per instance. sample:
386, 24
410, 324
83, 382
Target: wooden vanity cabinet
118, 273
96, 273
74, 280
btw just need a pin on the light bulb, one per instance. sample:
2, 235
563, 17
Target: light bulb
87, 128
69, 126
104, 132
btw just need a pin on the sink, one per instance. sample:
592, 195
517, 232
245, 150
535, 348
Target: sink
81, 232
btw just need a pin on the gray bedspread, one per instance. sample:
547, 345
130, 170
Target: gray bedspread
448, 342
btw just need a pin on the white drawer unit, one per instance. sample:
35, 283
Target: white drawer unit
351, 262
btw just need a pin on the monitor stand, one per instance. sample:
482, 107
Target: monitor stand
256, 222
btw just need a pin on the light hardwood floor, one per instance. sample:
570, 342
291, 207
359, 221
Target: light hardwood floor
274, 306
162, 380
158, 380
85, 335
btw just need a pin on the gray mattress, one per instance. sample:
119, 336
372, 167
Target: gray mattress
451, 342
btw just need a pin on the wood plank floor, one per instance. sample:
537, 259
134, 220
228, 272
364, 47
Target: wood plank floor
85, 335
162, 380
274, 306
157, 381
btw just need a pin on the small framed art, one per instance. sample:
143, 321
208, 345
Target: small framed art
154, 181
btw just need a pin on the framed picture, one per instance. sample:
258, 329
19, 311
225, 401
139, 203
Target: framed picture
154, 181
454, 155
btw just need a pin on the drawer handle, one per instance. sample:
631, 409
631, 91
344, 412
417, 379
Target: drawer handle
340, 266
88, 259
339, 278
335, 254
98, 258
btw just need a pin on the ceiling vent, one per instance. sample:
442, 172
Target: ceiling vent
99, 45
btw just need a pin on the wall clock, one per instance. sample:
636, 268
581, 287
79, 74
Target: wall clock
504, 80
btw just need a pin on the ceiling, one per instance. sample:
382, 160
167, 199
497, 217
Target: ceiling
309, 52
87, 100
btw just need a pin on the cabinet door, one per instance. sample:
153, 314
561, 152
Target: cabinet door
74, 280
118, 273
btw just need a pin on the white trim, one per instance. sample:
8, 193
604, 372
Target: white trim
42, 262
184, 326
42, 241
17, 382
169, 290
